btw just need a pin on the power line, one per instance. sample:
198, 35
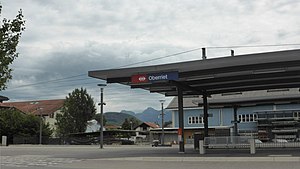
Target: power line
163, 57
49, 81
252, 46
154, 59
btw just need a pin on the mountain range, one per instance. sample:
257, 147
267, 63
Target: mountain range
148, 115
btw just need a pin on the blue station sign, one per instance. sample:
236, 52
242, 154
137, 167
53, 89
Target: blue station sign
154, 77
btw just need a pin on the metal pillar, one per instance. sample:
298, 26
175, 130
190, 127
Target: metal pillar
235, 122
101, 110
205, 114
181, 120
41, 127
101, 114
162, 123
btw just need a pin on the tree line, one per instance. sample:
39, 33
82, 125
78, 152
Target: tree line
15, 123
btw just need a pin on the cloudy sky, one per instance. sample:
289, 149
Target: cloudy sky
63, 40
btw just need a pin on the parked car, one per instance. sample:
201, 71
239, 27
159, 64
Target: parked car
257, 141
155, 143
279, 140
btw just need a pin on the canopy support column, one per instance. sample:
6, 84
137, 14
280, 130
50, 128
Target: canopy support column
205, 114
235, 121
181, 120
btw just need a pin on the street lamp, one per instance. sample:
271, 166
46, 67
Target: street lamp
41, 121
130, 125
101, 113
162, 122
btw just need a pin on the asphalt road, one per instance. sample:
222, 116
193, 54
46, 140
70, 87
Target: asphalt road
91, 157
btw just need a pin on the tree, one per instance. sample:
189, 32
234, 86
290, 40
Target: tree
78, 108
97, 117
15, 123
10, 33
130, 123
167, 123
126, 125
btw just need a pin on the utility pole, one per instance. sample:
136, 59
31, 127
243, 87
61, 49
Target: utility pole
41, 126
130, 125
162, 122
41, 121
101, 113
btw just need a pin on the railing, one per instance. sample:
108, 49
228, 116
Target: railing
227, 142
245, 142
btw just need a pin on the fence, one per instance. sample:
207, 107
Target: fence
244, 142
35, 140
70, 140
226, 142
278, 145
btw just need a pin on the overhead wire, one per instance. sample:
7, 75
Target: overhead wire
61, 80
252, 46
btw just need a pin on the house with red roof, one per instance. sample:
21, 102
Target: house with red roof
143, 132
146, 126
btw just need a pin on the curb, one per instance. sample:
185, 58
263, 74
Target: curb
207, 159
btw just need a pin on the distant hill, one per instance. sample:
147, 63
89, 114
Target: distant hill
128, 112
116, 118
150, 115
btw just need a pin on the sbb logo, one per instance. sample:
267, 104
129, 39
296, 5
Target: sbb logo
139, 79
142, 78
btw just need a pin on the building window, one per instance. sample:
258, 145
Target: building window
296, 114
51, 115
195, 120
245, 118
240, 118
201, 121
254, 117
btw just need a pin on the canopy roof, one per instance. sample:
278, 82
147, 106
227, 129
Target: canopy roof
242, 99
260, 71
3, 98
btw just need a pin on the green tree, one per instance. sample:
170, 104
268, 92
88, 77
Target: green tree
78, 108
15, 123
97, 117
10, 33
167, 123
126, 125
130, 123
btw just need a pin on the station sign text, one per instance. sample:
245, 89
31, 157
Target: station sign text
154, 77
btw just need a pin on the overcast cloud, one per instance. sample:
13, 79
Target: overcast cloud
70, 37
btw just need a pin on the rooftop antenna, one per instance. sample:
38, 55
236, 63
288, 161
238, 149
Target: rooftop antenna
232, 52
203, 54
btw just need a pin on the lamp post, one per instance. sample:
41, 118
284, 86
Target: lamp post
130, 125
41, 121
162, 122
41, 126
101, 113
